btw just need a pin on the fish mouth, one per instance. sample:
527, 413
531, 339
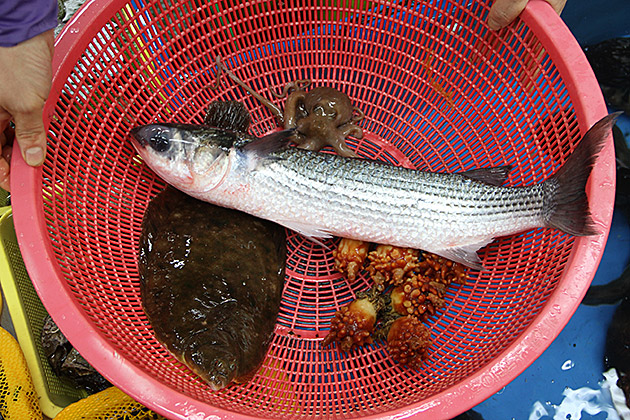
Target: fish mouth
137, 138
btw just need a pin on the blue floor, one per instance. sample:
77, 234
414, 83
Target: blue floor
593, 21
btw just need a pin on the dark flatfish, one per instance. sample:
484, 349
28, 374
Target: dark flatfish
610, 61
469, 415
66, 361
211, 284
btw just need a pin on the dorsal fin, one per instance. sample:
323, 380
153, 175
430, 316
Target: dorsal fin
228, 115
492, 176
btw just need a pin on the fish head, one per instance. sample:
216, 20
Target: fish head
192, 158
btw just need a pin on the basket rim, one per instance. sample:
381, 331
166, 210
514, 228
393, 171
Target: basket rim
38, 255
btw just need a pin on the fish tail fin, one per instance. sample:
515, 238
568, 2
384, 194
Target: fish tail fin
570, 206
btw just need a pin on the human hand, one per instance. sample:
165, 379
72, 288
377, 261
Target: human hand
503, 12
25, 81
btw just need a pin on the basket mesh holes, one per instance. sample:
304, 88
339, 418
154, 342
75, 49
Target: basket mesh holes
435, 98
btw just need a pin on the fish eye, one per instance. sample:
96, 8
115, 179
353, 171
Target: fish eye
160, 141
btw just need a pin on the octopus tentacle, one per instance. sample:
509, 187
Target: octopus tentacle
275, 110
291, 114
360, 115
351, 129
300, 84
342, 148
307, 143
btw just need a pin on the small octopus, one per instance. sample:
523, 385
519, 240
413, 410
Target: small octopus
322, 116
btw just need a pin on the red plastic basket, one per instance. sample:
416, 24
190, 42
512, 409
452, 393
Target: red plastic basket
439, 91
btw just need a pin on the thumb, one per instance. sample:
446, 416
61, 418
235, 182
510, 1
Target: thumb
503, 12
31, 137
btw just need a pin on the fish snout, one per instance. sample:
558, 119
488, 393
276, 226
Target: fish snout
137, 136
156, 136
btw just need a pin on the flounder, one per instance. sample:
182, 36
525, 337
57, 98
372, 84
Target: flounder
211, 284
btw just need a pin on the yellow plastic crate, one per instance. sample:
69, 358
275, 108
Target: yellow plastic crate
28, 314
4, 198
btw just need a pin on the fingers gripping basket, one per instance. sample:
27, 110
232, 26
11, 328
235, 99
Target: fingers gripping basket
439, 92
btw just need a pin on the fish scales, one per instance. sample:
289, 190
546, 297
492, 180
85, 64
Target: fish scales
384, 197
321, 195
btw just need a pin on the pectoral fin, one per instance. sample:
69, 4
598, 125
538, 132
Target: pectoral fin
262, 146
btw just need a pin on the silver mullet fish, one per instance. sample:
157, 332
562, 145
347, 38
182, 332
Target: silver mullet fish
322, 195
